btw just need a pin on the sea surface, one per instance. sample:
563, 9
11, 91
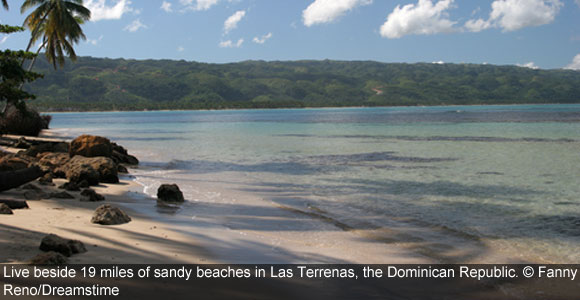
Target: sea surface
506, 175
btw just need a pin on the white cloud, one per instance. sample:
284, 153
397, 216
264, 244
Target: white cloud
230, 44
94, 42
421, 18
136, 25
232, 22
101, 11
166, 6
575, 65
530, 65
180, 49
263, 39
326, 11
198, 4
511, 15
3, 40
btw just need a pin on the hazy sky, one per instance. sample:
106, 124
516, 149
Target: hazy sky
534, 33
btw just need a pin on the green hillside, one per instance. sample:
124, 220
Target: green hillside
120, 84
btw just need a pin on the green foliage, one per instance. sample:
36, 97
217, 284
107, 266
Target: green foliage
119, 84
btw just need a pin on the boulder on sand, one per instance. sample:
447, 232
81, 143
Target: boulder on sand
14, 204
53, 242
5, 209
91, 146
91, 169
170, 193
89, 195
110, 215
13, 179
49, 258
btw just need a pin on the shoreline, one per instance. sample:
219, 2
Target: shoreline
301, 108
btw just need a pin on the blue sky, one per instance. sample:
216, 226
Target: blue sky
533, 33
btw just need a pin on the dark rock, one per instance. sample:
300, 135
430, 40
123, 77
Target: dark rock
122, 169
53, 242
35, 195
49, 258
31, 187
53, 162
5, 209
14, 204
78, 170
84, 184
43, 147
124, 158
92, 169
61, 195
21, 143
89, 195
91, 146
110, 215
21, 120
46, 180
12, 179
169, 193
70, 186
15, 162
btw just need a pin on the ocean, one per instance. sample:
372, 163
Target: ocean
502, 178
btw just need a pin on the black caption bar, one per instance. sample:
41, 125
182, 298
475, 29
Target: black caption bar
291, 281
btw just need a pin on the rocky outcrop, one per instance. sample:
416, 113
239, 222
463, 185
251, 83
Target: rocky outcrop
110, 215
89, 195
54, 162
14, 162
61, 195
49, 258
14, 204
91, 146
13, 179
46, 147
5, 209
55, 243
170, 193
120, 155
91, 169
46, 180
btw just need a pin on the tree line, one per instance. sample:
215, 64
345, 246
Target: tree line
124, 84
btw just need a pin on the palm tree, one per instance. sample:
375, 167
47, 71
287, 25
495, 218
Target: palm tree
57, 24
5, 4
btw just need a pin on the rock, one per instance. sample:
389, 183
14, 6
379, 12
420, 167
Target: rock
14, 204
91, 146
49, 258
15, 162
35, 195
169, 193
46, 180
86, 168
49, 147
5, 210
70, 186
31, 187
21, 143
61, 195
77, 170
122, 169
55, 243
83, 184
12, 179
110, 215
54, 161
89, 195
120, 155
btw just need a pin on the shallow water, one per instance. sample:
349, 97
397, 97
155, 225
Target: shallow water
505, 175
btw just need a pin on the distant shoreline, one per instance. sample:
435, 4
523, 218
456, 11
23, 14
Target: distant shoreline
304, 108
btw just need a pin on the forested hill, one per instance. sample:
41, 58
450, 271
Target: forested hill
119, 84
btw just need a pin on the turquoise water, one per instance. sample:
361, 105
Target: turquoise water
503, 175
